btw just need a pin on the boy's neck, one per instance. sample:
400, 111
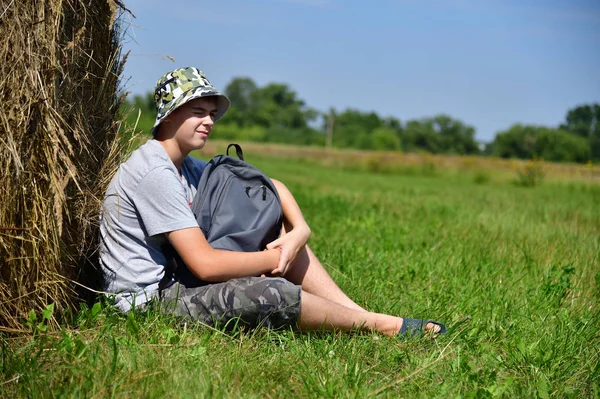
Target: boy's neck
174, 152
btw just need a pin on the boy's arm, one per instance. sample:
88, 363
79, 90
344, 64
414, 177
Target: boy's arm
296, 231
291, 210
216, 265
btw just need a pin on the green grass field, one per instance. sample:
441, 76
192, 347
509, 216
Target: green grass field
513, 271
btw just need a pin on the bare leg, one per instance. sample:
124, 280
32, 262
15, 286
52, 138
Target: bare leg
308, 272
317, 313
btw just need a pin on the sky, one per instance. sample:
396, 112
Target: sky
487, 63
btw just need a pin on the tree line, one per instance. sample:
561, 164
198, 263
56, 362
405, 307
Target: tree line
274, 113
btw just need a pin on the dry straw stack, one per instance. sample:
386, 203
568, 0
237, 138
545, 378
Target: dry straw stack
60, 64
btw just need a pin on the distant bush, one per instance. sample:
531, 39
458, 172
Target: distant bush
481, 177
529, 175
385, 139
375, 164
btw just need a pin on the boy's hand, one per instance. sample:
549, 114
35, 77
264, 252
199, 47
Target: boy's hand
290, 244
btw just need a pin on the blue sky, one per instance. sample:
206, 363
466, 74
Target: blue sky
487, 63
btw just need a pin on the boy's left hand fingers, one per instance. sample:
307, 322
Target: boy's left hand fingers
283, 261
273, 244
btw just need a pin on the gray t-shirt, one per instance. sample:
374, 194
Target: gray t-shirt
145, 199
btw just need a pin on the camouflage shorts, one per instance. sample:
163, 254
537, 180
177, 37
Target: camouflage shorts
249, 301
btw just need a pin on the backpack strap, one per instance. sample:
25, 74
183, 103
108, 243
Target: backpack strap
238, 150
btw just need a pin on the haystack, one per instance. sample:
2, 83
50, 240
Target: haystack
60, 63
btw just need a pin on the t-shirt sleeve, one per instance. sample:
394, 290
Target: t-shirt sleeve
162, 203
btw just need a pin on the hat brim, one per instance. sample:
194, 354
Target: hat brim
223, 104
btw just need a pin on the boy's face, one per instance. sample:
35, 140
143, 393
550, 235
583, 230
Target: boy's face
193, 122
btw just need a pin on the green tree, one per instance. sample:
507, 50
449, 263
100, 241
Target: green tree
516, 142
270, 113
242, 93
439, 135
560, 146
386, 139
353, 128
456, 137
584, 121
420, 135
526, 142
278, 106
393, 123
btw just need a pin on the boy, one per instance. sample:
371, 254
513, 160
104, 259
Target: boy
147, 207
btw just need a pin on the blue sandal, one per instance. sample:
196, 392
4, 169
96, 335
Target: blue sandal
416, 327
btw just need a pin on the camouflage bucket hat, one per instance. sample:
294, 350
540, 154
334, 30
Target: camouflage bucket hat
178, 87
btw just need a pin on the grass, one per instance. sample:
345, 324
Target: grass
519, 171
512, 270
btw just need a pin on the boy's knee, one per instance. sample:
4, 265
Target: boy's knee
255, 301
269, 291
259, 292
270, 302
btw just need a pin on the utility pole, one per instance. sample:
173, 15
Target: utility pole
330, 122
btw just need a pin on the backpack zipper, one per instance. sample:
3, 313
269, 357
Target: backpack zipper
264, 190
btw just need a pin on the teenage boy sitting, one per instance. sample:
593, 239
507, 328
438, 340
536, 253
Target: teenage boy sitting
147, 207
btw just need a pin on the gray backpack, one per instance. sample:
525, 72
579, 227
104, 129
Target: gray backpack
237, 207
